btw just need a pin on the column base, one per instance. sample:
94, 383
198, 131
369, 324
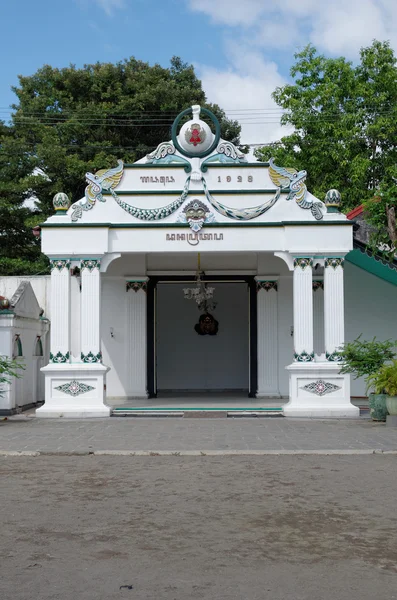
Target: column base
318, 390
260, 394
74, 391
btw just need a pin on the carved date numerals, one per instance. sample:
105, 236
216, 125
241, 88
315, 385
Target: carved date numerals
238, 179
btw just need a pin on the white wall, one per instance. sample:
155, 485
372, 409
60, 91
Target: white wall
189, 361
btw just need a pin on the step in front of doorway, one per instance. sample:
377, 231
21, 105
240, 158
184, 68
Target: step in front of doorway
197, 412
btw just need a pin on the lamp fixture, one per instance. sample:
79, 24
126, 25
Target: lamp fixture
201, 294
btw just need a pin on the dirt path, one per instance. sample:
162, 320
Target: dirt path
277, 528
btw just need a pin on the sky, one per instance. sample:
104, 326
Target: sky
241, 49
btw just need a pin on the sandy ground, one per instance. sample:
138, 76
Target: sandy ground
277, 528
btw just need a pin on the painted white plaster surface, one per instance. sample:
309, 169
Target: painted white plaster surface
188, 361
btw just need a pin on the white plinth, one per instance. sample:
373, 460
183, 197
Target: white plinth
82, 394
317, 390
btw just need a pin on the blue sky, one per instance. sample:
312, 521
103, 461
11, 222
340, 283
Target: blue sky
241, 49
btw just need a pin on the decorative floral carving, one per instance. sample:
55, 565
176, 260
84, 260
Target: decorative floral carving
304, 356
136, 286
240, 214
334, 262
91, 357
74, 388
303, 263
162, 150
153, 214
334, 357
229, 149
60, 264
267, 286
320, 387
90, 264
59, 357
318, 285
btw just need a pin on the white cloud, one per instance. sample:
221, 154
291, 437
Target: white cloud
334, 26
247, 84
109, 6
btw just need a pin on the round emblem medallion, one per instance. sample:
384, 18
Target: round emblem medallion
195, 138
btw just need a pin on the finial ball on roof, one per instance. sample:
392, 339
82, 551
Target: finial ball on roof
61, 202
332, 198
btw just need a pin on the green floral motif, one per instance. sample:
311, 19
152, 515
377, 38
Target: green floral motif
153, 214
91, 357
136, 286
334, 357
90, 264
304, 356
60, 264
266, 285
318, 285
61, 202
59, 357
303, 263
74, 388
334, 262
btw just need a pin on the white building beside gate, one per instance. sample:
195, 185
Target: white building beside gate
195, 220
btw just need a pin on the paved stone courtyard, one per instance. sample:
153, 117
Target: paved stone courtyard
198, 528
197, 435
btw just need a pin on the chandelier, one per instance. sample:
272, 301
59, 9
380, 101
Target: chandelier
201, 293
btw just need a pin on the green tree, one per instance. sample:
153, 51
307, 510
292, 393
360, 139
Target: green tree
70, 121
344, 119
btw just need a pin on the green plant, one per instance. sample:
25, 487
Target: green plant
8, 368
385, 380
364, 358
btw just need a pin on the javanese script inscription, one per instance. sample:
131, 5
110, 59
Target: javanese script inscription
154, 179
193, 238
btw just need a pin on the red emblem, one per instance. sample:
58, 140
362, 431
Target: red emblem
195, 135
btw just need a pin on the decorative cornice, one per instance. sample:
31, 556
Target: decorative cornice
59, 357
334, 262
318, 284
136, 286
303, 262
304, 357
60, 263
320, 387
90, 264
91, 357
267, 285
74, 388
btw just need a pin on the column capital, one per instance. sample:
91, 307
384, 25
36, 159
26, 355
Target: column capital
136, 284
266, 283
90, 264
303, 262
334, 262
60, 263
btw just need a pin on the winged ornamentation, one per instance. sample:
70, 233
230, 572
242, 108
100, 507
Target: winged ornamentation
286, 177
103, 180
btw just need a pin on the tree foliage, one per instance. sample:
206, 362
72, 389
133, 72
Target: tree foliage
344, 120
73, 120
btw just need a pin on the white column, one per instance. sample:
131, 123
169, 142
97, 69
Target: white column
60, 311
136, 332
334, 323
90, 311
267, 294
303, 310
